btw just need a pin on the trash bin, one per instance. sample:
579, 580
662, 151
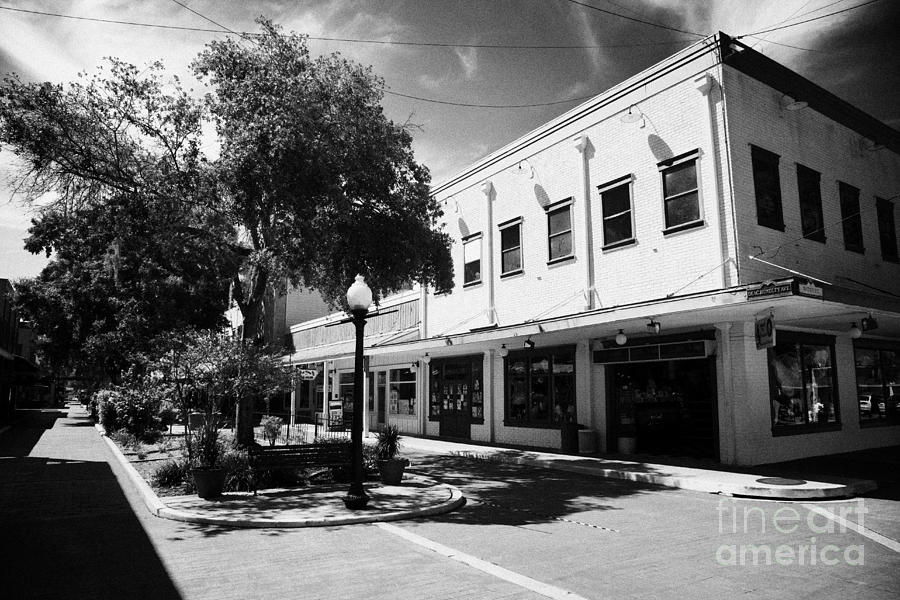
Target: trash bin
587, 441
569, 435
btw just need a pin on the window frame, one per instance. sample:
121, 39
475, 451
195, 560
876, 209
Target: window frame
551, 210
466, 241
768, 158
887, 226
807, 426
676, 162
474, 367
847, 195
551, 353
809, 197
517, 222
615, 184
391, 382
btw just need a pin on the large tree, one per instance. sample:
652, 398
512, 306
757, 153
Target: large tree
313, 183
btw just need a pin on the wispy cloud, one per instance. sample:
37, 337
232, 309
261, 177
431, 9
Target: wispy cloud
468, 59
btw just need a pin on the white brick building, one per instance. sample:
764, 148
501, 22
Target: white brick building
714, 194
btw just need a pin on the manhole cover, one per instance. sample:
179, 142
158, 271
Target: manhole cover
780, 481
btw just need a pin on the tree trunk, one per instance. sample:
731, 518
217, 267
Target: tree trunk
256, 318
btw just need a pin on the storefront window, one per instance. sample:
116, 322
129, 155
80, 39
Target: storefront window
457, 386
802, 379
878, 384
540, 387
401, 392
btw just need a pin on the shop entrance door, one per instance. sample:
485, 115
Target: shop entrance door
454, 389
669, 407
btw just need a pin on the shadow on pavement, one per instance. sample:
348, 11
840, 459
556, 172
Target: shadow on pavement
881, 465
27, 430
510, 494
68, 531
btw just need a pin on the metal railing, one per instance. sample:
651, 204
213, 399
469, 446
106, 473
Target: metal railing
305, 429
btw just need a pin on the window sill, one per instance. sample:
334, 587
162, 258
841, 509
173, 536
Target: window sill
512, 273
525, 425
856, 249
683, 227
785, 430
620, 244
868, 424
561, 259
815, 239
472, 284
890, 259
775, 226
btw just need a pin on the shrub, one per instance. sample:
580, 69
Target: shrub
237, 470
106, 405
124, 439
172, 473
271, 427
388, 443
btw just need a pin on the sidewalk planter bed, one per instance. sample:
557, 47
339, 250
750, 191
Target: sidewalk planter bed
209, 482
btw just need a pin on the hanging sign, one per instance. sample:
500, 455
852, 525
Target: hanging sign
765, 332
307, 374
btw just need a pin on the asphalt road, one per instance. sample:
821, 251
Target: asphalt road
72, 527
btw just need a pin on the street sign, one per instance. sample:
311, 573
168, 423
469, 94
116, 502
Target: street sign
765, 332
771, 290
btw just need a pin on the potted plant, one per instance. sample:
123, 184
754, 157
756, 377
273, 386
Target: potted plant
209, 478
387, 446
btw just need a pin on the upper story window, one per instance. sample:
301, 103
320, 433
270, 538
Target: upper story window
680, 192
803, 385
615, 202
472, 259
850, 217
559, 230
511, 247
767, 184
810, 192
887, 230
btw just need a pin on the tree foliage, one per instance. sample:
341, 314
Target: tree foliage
323, 184
312, 185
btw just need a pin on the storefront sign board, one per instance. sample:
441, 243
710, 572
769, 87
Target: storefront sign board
770, 290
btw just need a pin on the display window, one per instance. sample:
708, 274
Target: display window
540, 387
878, 383
803, 383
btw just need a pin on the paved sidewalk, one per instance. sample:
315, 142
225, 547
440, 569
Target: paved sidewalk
713, 481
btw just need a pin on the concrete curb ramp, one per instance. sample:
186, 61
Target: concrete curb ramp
442, 498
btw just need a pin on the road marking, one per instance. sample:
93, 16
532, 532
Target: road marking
864, 531
539, 587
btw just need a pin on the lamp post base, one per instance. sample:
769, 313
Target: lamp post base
356, 497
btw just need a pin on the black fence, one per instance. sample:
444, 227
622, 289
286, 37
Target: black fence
304, 430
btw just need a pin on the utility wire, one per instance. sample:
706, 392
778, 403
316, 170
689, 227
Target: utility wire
204, 17
831, 14
636, 20
347, 40
448, 103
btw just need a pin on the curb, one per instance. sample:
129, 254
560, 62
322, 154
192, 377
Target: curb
698, 484
159, 509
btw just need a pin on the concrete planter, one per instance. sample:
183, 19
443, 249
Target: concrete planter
391, 470
209, 482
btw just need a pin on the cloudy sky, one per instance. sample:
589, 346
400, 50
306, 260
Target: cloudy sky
853, 54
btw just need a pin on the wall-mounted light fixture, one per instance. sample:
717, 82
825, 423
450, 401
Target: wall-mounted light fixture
426, 359
504, 351
653, 327
529, 344
632, 116
448, 341
792, 104
621, 338
413, 367
869, 323
854, 331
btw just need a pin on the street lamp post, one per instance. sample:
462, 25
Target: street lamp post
359, 297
